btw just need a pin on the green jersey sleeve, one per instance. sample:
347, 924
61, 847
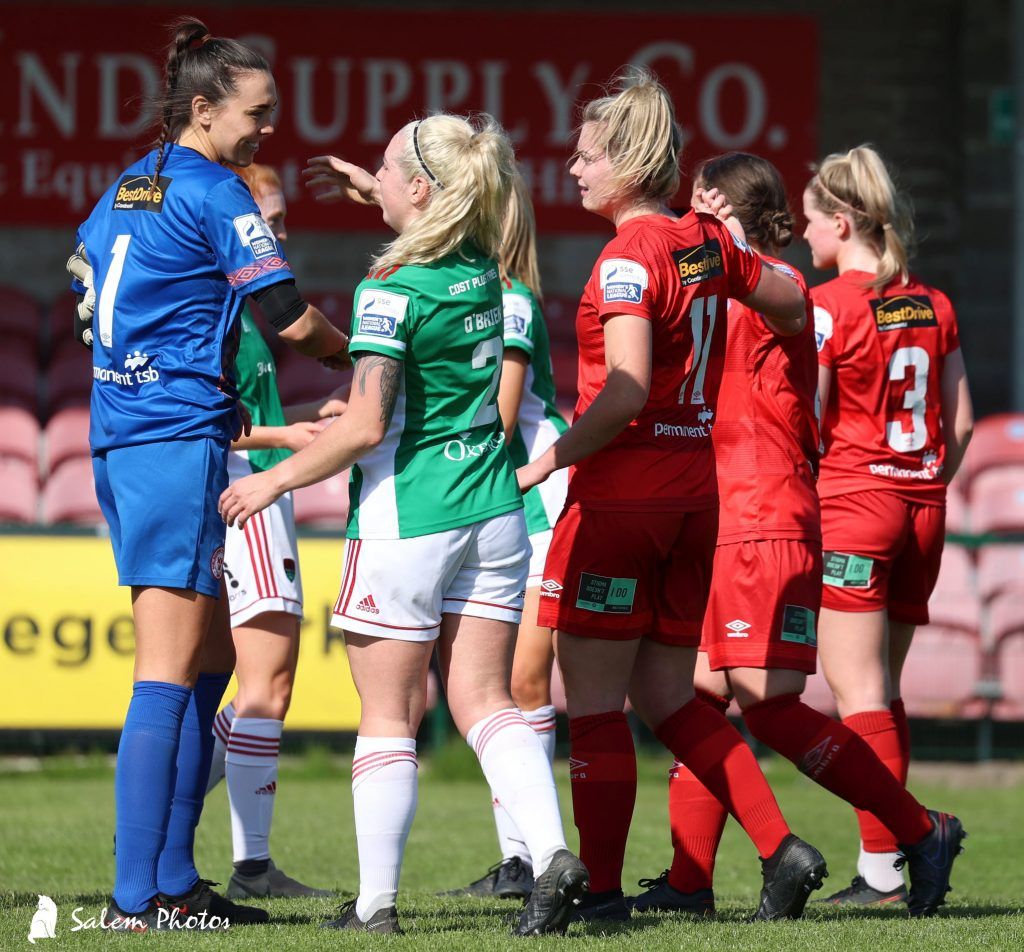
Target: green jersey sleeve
381, 319
519, 321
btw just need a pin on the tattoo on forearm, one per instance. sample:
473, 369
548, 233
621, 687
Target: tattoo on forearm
390, 381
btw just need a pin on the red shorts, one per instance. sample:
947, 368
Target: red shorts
881, 551
626, 575
763, 610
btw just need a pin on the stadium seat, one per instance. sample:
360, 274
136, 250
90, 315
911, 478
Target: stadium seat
1000, 569
997, 500
19, 375
69, 377
67, 436
59, 324
957, 513
301, 379
1006, 615
19, 434
941, 673
70, 495
324, 505
19, 490
1010, 670
20, 317
954, 603
997, 441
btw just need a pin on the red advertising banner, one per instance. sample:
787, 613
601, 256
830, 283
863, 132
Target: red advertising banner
73, 114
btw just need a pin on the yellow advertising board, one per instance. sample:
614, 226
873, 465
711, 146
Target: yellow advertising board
68, 641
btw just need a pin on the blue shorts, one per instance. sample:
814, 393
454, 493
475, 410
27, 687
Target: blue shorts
160, 501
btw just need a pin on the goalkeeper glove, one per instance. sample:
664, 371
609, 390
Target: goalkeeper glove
78, 267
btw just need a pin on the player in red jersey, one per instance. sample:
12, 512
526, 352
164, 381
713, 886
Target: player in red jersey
759, 630
628, 571
896, 420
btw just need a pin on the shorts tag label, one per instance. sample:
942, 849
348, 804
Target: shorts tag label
598, 593
798, 625
847, 571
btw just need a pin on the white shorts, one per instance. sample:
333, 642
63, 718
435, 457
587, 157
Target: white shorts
541, 542
261, 561
399, 588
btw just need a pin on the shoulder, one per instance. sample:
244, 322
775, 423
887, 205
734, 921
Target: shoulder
784, 267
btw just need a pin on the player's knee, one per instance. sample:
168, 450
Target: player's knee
530, 690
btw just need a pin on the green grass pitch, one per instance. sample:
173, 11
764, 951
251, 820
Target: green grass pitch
56, 839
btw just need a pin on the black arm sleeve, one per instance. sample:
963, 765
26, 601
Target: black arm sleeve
281, 303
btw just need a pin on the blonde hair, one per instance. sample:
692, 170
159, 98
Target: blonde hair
261, 179
858, 184
638, 132
519, 239
469, 166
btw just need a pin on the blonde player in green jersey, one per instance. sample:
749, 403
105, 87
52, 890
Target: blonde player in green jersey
438, 549
526, 403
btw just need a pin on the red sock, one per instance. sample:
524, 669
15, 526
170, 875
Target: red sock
697, 820
602, 767
713, 749
834, 756
899, 715
879, 730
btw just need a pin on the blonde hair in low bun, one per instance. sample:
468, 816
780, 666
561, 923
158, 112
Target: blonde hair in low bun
470, 166
636, 128
858, 184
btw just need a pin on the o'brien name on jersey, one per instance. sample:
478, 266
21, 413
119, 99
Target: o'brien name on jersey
138, 370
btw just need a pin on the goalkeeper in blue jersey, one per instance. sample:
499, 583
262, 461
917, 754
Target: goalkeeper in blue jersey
175, 246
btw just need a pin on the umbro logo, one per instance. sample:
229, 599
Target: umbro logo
549, 588
737, 628
267, 791
577, 769
368, 605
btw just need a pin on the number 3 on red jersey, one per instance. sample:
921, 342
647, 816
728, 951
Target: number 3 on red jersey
903, 360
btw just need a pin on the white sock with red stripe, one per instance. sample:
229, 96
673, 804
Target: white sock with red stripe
516, 766
251, 769
384, 791
221, 730
511, 841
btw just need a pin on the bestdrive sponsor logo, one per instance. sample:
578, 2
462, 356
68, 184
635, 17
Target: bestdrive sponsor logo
907, 310
141, 193
700, 263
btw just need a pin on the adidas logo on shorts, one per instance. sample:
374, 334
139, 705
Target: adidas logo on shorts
368, 605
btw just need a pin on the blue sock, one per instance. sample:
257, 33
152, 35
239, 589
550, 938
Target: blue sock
144, 786
176, 873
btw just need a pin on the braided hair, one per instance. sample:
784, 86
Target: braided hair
198, 64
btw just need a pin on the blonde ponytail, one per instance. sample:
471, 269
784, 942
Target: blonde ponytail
636, 128
470, 167
519, 240
858, 184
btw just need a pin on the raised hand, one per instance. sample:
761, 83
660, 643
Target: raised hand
335, 180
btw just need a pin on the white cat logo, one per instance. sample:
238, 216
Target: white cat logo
44, 922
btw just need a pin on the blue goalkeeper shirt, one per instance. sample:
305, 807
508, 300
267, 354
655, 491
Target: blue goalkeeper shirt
173, 262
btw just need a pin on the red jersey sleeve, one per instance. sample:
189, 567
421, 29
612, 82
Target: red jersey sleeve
742, 266
947, 321
627, 284
824, 328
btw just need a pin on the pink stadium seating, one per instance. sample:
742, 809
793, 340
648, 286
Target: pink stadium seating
69, 377
998, 441
1010, 668
20, 317
19, 434
59, 323
19, 374
19, 490
70, 495
941, 672
1006, 615
954, 603
1000, 569
301, 379
957, 516
323, 504
67, 436
997, 500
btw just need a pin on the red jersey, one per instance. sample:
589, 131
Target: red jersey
678, 274
882, 428
766, 430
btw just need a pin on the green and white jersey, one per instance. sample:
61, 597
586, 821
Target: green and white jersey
442, 463
256, 379
539, 423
